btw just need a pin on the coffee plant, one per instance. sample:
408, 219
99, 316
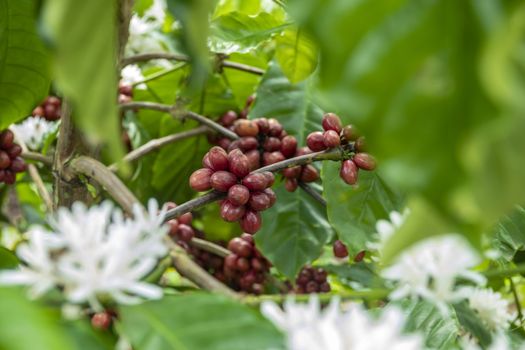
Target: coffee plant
262, 174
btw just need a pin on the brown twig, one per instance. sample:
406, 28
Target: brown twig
37, 157
156, 144
313, 193
180, 115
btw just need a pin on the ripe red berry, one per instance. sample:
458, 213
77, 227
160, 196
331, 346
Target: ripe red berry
6, 139
9, 177
248, 143
14, 151
253, 159
275, 128
124, 89
263, 125
293, 172
291, 184
360, 256
228, 118
238, 195
360, 144
324, 287
18, 165
332, 122
288, 146
230, 261
244, 127
101, 320
185, 218
272, 144
218, 158
309, 174
272, 158
200, 180
303, 151
185, 233
233, 145
271, 194
174, 226
365, 161
222, 180
224, 142
38, 111
340, 250
243, 264
251, 222
249, 101
350, 133
231, 212
312, 287
315, 141
255, 182
239, 164
5, 161
349, 172
259, 201
270, 178
53, 100
240, 247
331, 139
248, 238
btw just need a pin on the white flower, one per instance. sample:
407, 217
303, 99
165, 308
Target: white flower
93, 252
386, 228
32, 131
307, 327
499, 342
132, 74
430, 268
157, 12
491, 308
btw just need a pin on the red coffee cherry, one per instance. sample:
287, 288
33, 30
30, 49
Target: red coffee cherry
270, 178
228, 118
291, 184
239, 164
224, 142
243, 264
272, 144
272, 158
259, 201
14, 151
18, 165
231, 212
293, 172
38, 111
9, 177
331, 139
350, 133
248, 143
360, 144
251, 222
315, 141
364, 161
360, 256
340, 250
324, 287
185, 218
233, 145
230, 261
174, 226
218, 158
101, 320
249, 101
185, 233
200, 180
255, 182
124, 89
349, 172
6, 139
240, 247
275, 128
5, 161
254, 159
288, 146
238, 195
222, 180
263, 125
303, 151
309, 174
244, 127
332, 122
271, 194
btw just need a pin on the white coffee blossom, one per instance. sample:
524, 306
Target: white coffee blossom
307, 327
491, 308
32, 131
500, 341
386, 228
93, 252
132, 74
144, 31
430, 268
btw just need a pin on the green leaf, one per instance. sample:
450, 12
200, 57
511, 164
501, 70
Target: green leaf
472, 323
25, 325
354, 210
240, 32
24, 62
197, 321
294, 231
243, 84
296, 53
84, 40
362, 273
7, 259
84, 336
440, 332
509, 233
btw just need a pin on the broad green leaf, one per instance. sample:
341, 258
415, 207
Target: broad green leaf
249, 7
84, 40
294, 231
84, 336
440, 332
26, 325
24, 62
7, 259
297, 54
509, 233
362, 273
197, 321
472, 323
239, 32
354, 210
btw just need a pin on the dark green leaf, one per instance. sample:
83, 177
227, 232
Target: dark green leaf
24, 62
197, 321
84, 336
7, 259
509, 233
472, 323
354, 210
84, 37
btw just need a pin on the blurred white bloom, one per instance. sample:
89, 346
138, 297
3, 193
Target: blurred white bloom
385, 229
499, 342
307, 327
142, 30
10, 237
429, 269
157, 12
32, 131
491, 308
132, 74
93, 252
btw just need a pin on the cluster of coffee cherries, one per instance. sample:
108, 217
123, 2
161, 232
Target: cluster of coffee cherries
10, 161
334, 135
125, 93
247, 193
50, 109
245, 269
312, 280
180, 228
